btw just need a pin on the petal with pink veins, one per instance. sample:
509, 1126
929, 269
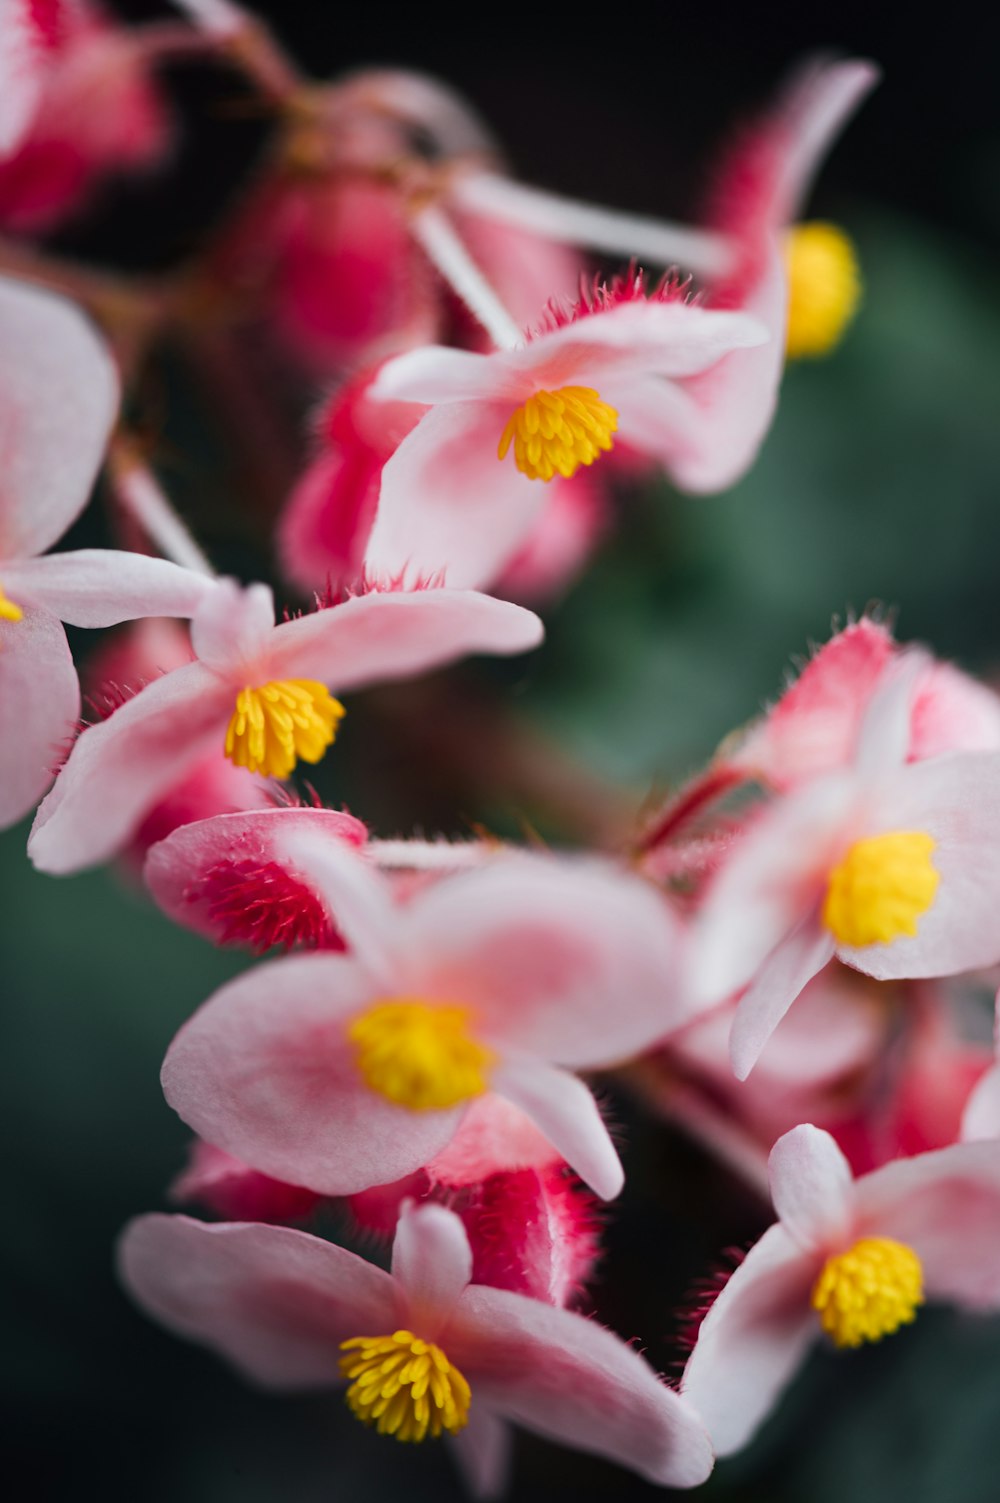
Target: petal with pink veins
448, 505
562, 1108
178, 868
121, 767
274, 1301
576, 960
812, 1187
39, 708
432, 1263
571, 1380
956, 800
97, 587
58, 402
266, 1071
752, 1340
388, 635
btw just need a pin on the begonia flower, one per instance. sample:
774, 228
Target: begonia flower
58, 402
981, 1118
424, 1351
260, 693
854, 1259
893, 867
463, 489
340, 1072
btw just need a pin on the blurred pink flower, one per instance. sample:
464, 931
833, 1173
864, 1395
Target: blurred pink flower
288, 1309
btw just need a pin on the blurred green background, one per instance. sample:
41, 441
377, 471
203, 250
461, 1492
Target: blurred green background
879, 482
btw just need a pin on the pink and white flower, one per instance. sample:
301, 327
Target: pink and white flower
58, 402
854, 1258
892, 866
981, 1118
340, 1072
620, 365
289, 1311
270, 684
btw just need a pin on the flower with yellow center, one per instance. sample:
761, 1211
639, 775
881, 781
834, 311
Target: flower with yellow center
404, 1386
8, 610
421, 1056
869, 1291
824, 288
281, 723
555, 432
880, 889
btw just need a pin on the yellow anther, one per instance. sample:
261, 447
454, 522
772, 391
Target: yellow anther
824, 288
8, 610
869, 1291
419, 1055
404, 1386
281, 723
555, 432
881, 888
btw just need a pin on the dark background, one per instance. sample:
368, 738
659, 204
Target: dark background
879, 481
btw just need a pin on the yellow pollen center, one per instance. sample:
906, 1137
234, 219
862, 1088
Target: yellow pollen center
881, 888
555, 432
404, 1386
869, 1291
8, 610
420, 1056
281, 723
824, 288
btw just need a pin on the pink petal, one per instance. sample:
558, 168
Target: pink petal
120, 768
789, 968
769, 884
431, 1262
981, 1118
956, 799
946, 1206
655, 417
39, 707
576, 960
233, 628
483, 1453
569, 1379
812, 1187
58, 401
274, 1301
735, 400
176, 868
884, 732
386, 636
358, 896
822, 98
24, 60
435, 374
102, 586
634, 339
266, 1071
752, 1340
448, 506
563, 1109
494, 1135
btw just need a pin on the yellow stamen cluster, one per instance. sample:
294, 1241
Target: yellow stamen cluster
555, 432
281, 723
404, 1386
8, 610
869, 1291
420, 1056
824, 289
881, 888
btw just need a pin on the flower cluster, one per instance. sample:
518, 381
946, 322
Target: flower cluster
766, 960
